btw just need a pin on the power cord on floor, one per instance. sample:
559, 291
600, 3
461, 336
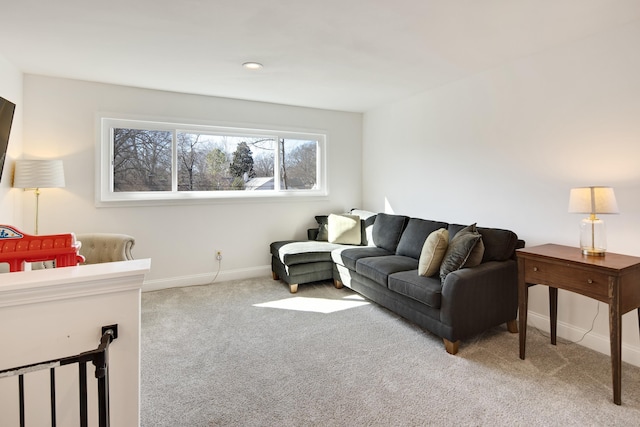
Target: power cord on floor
593, 322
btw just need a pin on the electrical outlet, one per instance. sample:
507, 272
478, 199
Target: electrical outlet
219, 255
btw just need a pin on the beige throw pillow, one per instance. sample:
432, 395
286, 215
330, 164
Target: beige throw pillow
344, 229
433, 250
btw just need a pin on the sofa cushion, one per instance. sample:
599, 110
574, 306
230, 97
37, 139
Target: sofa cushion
454, 228
433, 251
415, 234
367, 218
323, 227
367, 230
344, 229
291, 252
427, 290
387, 230
499, 244
378, 269
460, 251
348, 256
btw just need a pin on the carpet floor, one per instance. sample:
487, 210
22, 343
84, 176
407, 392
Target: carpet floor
249, 353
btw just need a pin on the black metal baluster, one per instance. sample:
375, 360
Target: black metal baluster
103, 400
83, 394
52, 384
21, 392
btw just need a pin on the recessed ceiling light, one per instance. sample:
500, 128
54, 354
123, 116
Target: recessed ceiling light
252, 65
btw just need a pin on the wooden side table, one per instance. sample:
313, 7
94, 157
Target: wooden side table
613, 279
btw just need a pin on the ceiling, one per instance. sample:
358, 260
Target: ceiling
348, 55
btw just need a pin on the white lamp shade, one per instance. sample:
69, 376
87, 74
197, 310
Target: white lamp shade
593, 200
38, 174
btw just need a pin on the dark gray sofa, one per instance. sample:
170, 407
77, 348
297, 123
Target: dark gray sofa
384, 269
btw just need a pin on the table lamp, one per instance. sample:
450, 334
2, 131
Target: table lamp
37, 174
593, 201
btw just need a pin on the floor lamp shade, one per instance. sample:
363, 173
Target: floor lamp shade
593, 201
37, 174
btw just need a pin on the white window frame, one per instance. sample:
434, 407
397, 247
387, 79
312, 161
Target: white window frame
105, 196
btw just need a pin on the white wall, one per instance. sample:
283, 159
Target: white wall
11, 89
60, 119
503, 148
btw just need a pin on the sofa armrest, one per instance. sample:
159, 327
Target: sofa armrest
478, 298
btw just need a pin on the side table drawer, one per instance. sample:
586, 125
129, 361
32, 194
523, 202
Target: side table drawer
593, 284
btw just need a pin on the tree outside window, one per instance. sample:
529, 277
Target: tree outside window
142, 161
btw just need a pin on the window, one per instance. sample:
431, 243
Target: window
156, 161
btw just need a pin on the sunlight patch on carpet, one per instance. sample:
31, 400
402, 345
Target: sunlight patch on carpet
316, 305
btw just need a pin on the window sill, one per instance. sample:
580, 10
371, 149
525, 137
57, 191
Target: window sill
191, 198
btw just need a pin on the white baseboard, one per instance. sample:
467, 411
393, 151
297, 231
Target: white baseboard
594, 341
207, 278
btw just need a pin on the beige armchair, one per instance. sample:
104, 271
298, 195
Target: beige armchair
105, 247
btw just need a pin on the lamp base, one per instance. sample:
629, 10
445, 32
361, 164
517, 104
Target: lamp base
593, 239
593, 251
